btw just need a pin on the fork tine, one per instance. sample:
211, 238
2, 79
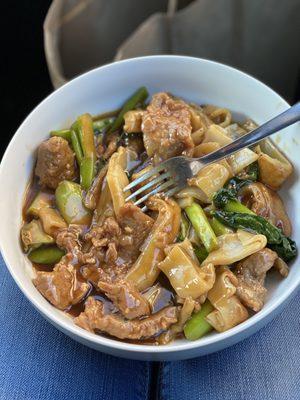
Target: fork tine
154, 191
145, 176
149, 185
171, 192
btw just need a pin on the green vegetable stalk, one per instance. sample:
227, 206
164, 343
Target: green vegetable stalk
46, 255
202, 227
218, 227
85, 133
41, 200
197, 326
201, 252
63, 133
33, 235
101, 124
184, 228
68, 197
108, 114
76, 146
225, 199
283, 245
138, 97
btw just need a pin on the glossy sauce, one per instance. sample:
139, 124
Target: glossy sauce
163, 297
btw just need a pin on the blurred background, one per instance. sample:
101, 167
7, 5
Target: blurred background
260, 37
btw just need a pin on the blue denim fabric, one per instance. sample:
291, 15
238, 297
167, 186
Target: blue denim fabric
264, 367
38, 362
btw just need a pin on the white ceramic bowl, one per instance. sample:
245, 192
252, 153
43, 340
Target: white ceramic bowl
104, 89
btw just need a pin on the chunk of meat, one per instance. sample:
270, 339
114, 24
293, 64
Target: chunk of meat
136, 226
103, 253
55, 162
282, 267
111, 146
69, 238
104, 239
94, 274
251, 273
116, 243
61, 286
94, 319
167, 128
126, 298
266, 203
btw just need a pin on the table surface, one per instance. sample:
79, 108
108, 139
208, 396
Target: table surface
39, 362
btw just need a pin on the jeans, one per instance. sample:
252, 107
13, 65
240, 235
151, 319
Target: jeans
38, 362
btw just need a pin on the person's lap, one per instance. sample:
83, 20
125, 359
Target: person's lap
39, 362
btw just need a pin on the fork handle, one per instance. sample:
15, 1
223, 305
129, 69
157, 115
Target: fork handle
282, 120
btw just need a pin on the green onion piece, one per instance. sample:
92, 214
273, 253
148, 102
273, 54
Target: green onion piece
63, 133
184, 227
202, 227
197, 326
139, 96
236, 206
218, 227
87, 168
76, 147
101, 124
46, 255
201, 252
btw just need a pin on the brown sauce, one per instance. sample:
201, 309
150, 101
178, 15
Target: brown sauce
166, 295
42, 267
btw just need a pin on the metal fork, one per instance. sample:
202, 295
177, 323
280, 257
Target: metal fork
174, 172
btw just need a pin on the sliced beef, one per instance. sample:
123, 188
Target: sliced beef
61, 286
94, 274
126, 298
251, 273
167, 128
111, 146
104, 240
69, 238
94, 319
116, 243
55, 162
282, 267
267, 203
136, 226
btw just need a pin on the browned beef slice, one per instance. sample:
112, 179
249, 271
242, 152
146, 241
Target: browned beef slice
61, 286
55, 162
136, 226
266, 203
116, 243
94, 319
104, 240
69, 238
167, 128
94, 274
251, 273
126, 298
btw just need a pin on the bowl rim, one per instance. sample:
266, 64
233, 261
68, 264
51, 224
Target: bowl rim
112, 343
